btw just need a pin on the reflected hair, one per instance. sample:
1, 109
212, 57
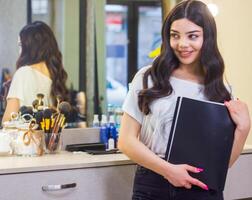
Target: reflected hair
38, 44
210, 60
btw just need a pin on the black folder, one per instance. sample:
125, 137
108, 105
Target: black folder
202, 135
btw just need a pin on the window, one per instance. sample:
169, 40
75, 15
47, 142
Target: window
39, 7
129, 41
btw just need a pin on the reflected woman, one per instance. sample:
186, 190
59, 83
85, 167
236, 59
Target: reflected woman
39, 69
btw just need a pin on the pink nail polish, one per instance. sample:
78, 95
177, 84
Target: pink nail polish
206, 188
199, 169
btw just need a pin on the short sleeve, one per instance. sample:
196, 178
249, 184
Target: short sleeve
17, 85
130, 105
27, 83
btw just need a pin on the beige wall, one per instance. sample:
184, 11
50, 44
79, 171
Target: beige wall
235, 41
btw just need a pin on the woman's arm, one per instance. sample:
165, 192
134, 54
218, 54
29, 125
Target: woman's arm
240, 115
12, 106
130, 145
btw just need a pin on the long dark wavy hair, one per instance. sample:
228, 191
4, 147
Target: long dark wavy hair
38, 44
211, 60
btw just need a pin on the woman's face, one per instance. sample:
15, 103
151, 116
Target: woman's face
186, 39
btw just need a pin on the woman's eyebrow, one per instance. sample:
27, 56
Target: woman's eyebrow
194, 31
174, 31
189, 32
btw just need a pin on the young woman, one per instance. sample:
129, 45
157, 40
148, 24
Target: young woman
189, 65
39, 69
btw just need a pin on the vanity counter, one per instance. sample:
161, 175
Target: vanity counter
94, 177
67, 160
63, 160
67, 175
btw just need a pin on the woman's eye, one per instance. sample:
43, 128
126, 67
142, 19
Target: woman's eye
193, 36
174, 36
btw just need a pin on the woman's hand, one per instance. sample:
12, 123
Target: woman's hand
178, 176
13, 105
240, 115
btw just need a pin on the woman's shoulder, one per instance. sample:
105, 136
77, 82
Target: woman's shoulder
142, 70
137, 81
24, 76
23, 70
140, 73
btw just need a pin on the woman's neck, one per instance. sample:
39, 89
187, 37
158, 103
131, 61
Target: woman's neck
192, 72
41, 67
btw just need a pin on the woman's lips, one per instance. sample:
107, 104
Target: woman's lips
185, 54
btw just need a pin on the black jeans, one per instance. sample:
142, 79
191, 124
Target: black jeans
151, 186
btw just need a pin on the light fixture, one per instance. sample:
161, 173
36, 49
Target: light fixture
213, 9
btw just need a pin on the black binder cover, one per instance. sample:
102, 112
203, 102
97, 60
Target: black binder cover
202, 135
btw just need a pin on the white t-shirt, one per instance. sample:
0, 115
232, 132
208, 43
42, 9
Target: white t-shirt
155, 127
27, 83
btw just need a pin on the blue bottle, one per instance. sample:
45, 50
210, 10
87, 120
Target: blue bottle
104, 131
114, 134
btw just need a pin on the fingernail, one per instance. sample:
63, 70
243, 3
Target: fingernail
206, 188
199, 169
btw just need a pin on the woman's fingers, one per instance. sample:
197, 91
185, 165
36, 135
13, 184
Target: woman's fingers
194, 181
188, 185
193, 169
240, 114
179, 177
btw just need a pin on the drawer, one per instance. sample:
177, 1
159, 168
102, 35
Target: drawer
104, 183
239, 179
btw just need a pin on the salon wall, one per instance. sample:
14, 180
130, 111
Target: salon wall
9, 29
235, 41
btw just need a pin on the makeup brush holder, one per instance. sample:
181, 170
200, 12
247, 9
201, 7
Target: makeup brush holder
29, 143
53, 142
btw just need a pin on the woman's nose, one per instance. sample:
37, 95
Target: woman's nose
183, 43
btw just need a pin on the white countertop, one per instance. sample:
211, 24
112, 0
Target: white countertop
63, 160
247, 149
66, 160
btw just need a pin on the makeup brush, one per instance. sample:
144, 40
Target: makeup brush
35, 104
47, 114
64, 108
39, 119
25, 110
40, 97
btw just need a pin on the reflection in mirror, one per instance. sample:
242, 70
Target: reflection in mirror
66, 30
63, 17
129, 43
116, 57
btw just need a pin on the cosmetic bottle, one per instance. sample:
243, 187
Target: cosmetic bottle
96, 122
111, 142
104, 131
112, 131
